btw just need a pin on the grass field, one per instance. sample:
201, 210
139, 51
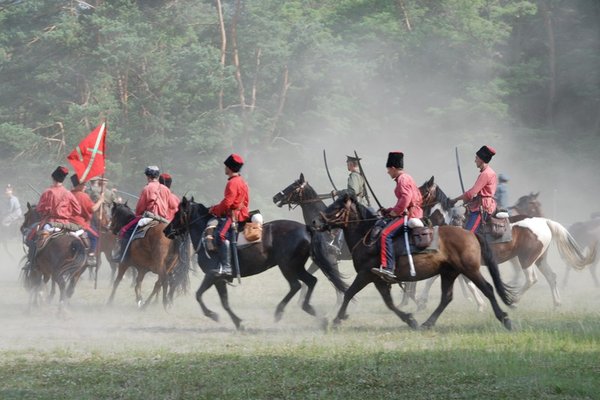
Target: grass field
119, 352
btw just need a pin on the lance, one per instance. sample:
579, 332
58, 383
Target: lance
327, 169
362, 172
32, 188
128, 194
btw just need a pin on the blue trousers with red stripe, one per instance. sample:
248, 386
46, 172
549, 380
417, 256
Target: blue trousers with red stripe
387, 242
474, 221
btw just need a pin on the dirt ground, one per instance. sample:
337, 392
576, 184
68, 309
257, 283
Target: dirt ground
89, 325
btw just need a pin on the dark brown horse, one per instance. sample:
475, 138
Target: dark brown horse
587, 234
460, 252
62, 259
285, 243
300, 193
531, 237
152, 253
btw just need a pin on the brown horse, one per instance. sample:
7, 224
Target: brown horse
460, 252
62, 259
531, 237
587, 233
152, 253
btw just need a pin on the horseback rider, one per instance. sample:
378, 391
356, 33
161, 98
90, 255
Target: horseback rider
154, 201
84, 218
232, 209
167, 180
56, 205
479, 199
502, 192
408, 206
356, 182
13, 210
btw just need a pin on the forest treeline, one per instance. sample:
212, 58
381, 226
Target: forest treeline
185, 82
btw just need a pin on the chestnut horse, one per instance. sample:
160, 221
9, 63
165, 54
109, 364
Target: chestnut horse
460, 252
152, 253
62, 259
284, 243
531, 237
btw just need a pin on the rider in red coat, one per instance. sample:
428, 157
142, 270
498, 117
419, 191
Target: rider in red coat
84, 218
57, 204
166, 179
233, 207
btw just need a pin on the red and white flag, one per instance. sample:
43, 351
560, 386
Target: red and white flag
88, 157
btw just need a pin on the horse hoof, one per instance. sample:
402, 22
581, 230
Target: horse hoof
426, 326
412, 323
507, 323
213, 316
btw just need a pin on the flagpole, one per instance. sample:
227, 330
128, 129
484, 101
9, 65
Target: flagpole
99, 242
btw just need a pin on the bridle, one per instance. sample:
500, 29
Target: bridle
296, 197
342, 217
430, 196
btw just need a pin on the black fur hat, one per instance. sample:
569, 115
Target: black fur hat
485, 153
234, 162
59, 174
395, 159
75, 180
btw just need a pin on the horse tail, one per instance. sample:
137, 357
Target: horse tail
506, 292
73, 269
326, 259
179, 277
569, 249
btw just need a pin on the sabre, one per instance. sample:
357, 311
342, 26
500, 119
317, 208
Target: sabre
32, 188
128, 194
462, 186
327, 169
234, 253
406, 243
362, 172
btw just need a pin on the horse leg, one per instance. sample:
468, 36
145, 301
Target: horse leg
409, 291
362, 279
312, 268
310, 281
488, 291
207, 282
474, 291
594, 272
385, 292
122, 268
517, 272
550, 276
424, 296
292, 277
530, 280
448, 279
138, 288
221, 287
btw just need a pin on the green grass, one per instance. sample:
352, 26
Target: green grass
97, 352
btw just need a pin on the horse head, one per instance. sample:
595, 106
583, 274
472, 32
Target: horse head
528, 205
344, 211
120, 215
293, 194
189, 215
30, 217
432, 195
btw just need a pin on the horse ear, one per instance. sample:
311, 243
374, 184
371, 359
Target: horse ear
28, 206
430, 182
536, 195
301, 179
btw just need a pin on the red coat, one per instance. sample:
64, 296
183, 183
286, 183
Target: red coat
409, 197
235, 201
173, 205
484, 189
154, 198
57, 204
85, 216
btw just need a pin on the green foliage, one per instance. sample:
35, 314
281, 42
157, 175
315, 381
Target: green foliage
312, 73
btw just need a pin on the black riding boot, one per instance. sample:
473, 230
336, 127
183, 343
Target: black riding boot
225, 258
31, 251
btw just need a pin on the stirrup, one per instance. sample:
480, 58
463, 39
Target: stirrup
384, 274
